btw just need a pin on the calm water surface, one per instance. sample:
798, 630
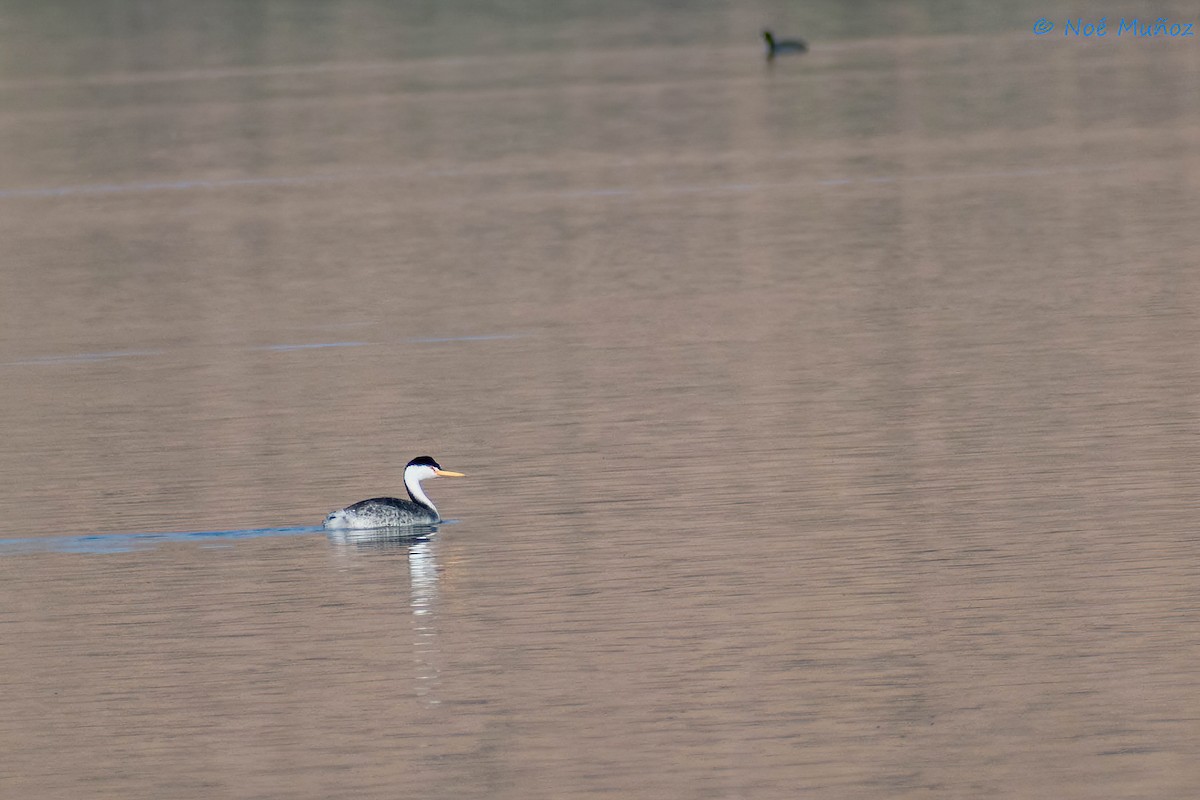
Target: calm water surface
831, 429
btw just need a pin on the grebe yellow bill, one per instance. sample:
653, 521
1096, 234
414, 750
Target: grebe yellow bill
392, 512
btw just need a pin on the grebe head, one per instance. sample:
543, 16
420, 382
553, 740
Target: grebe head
423, 468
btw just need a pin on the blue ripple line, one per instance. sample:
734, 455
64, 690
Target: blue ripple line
318, 345
611, 191
128, 542
81, 358
154, 186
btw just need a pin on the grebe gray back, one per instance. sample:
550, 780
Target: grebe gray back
391, 512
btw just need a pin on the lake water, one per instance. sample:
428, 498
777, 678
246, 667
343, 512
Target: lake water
830, 427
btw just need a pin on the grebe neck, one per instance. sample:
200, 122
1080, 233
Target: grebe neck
413, 484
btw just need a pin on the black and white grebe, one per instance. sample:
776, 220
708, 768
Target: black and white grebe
391, 512
781, 46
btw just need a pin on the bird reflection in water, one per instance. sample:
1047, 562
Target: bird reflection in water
424, 571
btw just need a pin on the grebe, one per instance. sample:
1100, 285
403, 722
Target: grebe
783, 45
390, 512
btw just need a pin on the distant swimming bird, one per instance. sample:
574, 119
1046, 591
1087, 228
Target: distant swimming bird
783, 46
390, 512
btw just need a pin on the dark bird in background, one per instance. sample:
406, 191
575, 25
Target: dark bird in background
783, 46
